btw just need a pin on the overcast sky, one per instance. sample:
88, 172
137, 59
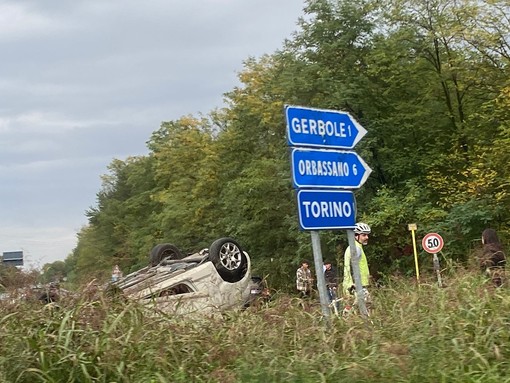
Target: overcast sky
85, 81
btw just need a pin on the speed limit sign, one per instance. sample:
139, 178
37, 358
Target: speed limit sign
432, 243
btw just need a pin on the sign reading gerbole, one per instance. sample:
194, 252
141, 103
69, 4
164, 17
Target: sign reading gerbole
322, 128
318, 170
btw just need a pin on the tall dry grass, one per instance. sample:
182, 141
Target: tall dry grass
459, 333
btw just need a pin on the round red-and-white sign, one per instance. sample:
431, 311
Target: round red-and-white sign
432, 243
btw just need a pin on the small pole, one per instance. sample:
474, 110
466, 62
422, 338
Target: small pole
437, 269
321, 280
412, 227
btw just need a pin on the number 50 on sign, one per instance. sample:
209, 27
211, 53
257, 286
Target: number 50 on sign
432, 243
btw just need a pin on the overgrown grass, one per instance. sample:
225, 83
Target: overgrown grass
459, 333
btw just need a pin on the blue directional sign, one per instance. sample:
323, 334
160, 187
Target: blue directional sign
315, 168
322, 128
326, 209
12, 258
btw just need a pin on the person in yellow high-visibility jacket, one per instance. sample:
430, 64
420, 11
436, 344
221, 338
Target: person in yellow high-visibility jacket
361, 233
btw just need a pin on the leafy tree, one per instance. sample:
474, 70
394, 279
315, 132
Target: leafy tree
427, 79
54, 271
187, 184
89, 259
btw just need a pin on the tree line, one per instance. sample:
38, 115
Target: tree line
428, 79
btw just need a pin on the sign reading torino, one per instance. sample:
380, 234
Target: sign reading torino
326, 209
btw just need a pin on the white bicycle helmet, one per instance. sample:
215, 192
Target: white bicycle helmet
362, 228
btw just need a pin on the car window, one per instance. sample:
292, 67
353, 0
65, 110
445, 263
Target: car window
180, 288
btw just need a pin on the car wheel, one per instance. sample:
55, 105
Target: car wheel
229, 259
164, 251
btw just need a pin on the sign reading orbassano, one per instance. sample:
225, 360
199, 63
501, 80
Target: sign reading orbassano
313, 168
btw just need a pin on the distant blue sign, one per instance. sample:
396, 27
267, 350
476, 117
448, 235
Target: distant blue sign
314, 168
12, 258
322, 128
326, 209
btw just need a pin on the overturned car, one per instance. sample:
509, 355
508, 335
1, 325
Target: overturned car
212, 280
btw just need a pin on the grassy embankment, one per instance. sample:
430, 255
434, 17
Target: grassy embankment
460, 333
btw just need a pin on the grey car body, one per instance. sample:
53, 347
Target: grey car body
209, 281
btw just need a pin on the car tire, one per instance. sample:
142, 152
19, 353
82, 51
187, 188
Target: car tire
228, 259
164, 251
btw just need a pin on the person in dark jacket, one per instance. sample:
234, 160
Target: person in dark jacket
493, 259
331, 277
50, 295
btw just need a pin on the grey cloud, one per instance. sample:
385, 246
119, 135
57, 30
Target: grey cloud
83, 82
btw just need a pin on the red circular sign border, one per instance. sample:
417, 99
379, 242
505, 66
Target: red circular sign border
426, 248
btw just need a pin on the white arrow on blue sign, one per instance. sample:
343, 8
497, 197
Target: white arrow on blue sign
326, 209
314, 168
322, 127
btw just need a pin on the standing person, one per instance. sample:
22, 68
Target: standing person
304, 279
493, 258
116, 273
361, 233
331, 277
51, 294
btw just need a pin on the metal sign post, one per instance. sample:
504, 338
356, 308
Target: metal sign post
321, 280
437, 269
